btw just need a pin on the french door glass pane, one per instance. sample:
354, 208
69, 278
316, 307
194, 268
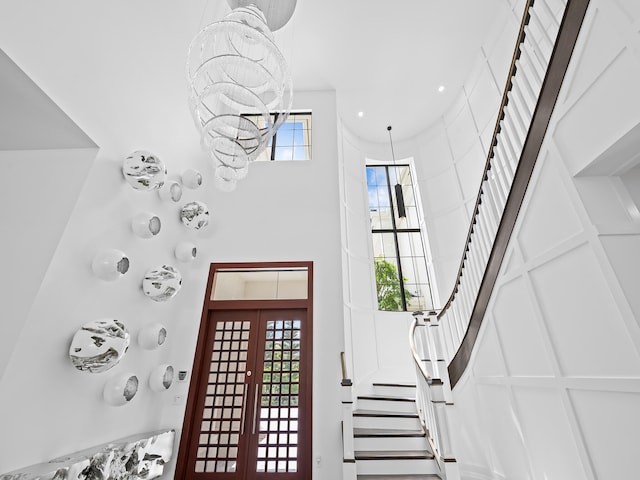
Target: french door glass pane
279, 398
225, 399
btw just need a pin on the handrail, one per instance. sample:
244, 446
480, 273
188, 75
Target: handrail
514, 189
343, 365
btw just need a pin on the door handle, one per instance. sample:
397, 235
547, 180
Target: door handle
244, 408
255, 409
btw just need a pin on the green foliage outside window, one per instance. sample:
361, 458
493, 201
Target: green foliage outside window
388, 286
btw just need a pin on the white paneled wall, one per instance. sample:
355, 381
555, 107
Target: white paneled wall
449, 158
553, 387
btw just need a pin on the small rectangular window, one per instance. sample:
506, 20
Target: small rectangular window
292, 141
289, 283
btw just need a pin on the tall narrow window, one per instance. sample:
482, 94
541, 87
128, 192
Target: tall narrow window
402, 281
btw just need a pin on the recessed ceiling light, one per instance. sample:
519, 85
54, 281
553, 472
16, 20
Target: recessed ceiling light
361, 114
441, 88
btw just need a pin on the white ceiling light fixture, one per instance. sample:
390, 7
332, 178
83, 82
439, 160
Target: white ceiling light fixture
240, 88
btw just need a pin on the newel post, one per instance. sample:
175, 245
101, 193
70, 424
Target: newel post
348, 454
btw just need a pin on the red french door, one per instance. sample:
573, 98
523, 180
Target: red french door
249, 406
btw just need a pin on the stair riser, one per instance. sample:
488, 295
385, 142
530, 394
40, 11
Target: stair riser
390, 423
390, 443
396, 467
393, 406
395, 391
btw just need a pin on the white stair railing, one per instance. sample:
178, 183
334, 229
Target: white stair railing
548, 32
441, 345
433, 392
539, 28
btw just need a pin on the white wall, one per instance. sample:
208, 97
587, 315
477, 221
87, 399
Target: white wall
449, 157
553, 387
281, 211
376, 341
36, 200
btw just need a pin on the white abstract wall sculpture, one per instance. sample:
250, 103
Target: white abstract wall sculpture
195, 215
161, 283
172, 191
191, 178
186, 251
144, 171
110, 264
120, 389
140, 456
152, 336
99, 345
161, 378
237, 79
146, 225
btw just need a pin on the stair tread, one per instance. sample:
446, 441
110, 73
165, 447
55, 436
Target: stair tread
393, 455
398, 477
379, 413
386, 397
401, 385
385, 432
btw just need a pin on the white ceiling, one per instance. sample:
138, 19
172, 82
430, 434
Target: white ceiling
117, 67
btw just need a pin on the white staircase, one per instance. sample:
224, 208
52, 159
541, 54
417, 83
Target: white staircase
389, 442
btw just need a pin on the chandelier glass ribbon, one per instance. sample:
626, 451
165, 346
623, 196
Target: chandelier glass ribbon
240, 91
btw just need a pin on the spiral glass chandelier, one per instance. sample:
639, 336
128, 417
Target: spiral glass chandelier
240, 91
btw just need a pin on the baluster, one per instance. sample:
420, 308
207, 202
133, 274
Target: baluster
448, 320
433, 351
517, 141
483, 247
509, 133
545, 38
436, 328
529, 91
474, 271
538, 70
479, 269
455, 342
465, 309
491, 208
545, 6
536, 37
535, 75
516, 114
493, 187
501, 178
459, 321
509, 150
513, 121
503, 158
519, 110
487, 239
496, 192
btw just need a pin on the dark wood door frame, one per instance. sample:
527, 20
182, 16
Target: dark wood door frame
304, 462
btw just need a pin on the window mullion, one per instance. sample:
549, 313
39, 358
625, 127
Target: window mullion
395, 241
